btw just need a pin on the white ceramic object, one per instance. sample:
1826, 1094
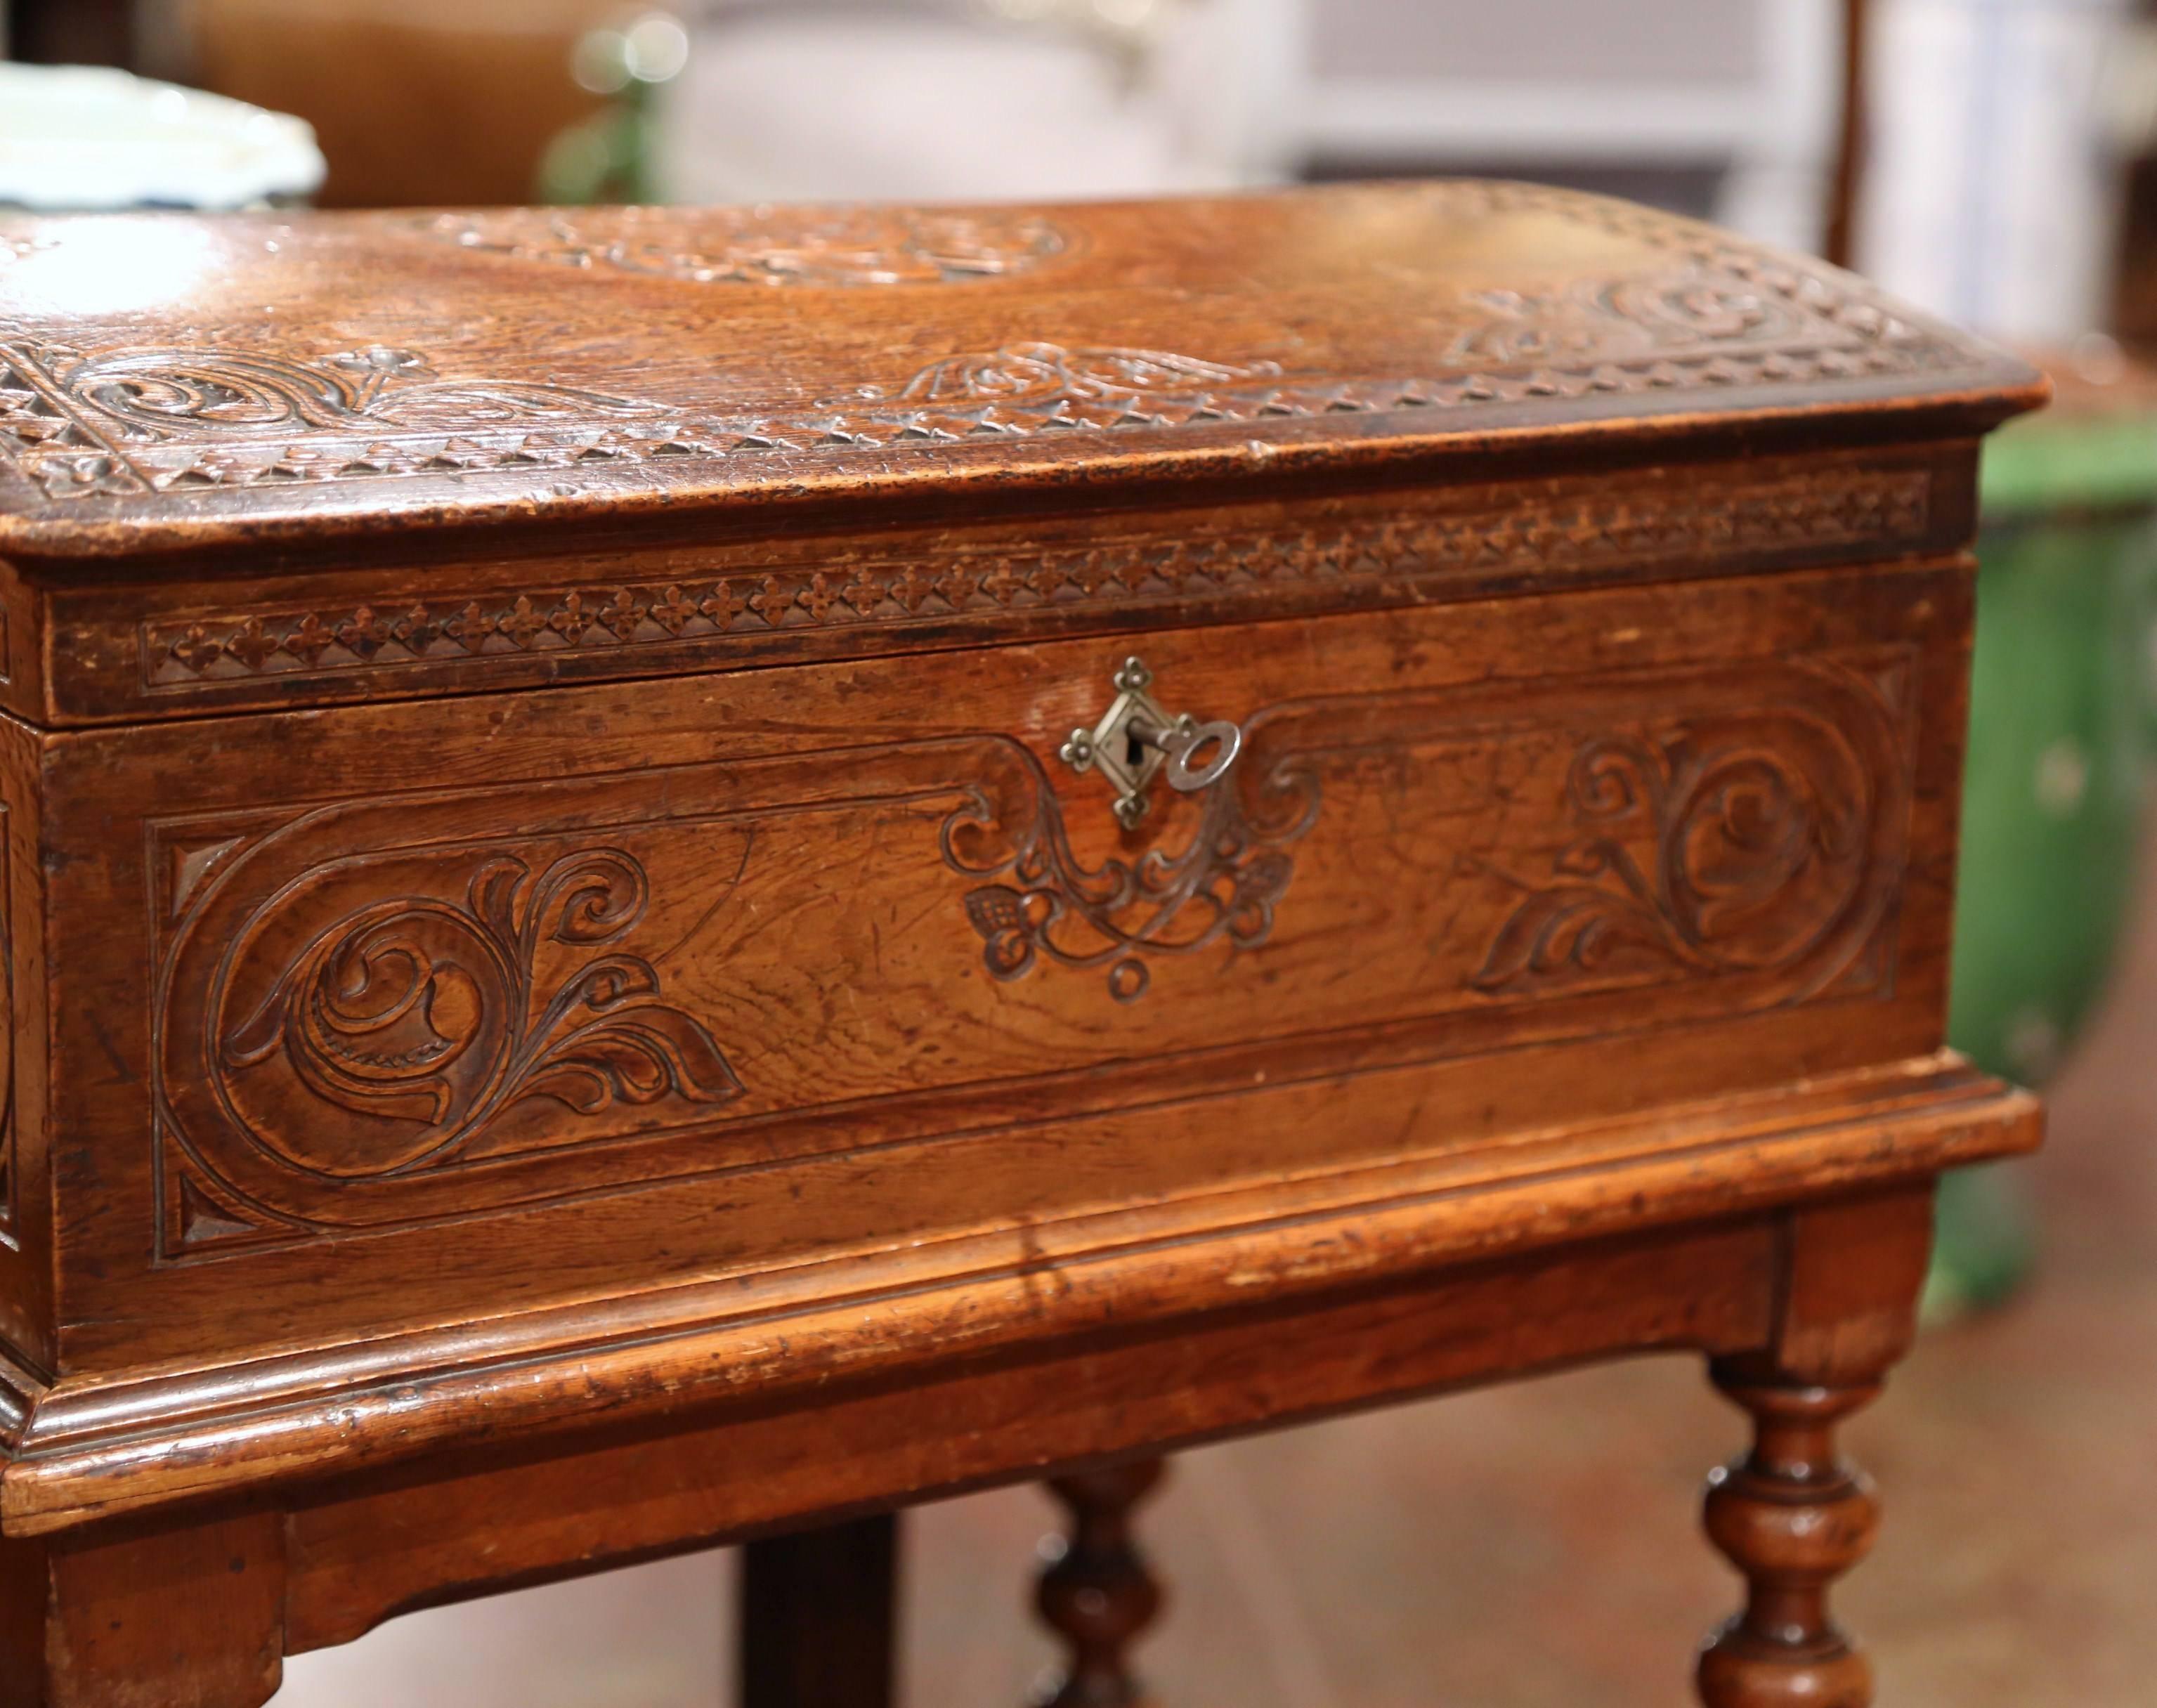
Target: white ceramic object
81, 138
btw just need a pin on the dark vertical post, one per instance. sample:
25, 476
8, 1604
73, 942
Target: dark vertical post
820, 1617
71, 32
1838, 242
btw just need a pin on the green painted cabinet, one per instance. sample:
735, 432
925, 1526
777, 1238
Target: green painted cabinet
2061, 728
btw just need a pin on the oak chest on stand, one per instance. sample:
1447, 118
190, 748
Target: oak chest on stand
673, 877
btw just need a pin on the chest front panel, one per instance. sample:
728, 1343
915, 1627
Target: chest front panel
498, 1000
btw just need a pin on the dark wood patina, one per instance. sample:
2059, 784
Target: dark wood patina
566, 1001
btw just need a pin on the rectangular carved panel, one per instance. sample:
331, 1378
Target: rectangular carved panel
442, 1002
367, 627
566, 990
1001, 587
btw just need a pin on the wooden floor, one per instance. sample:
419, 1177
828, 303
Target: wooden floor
1532, 1547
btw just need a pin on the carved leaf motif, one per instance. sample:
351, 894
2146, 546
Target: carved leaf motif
1582, 930
430, 1011
650, 1052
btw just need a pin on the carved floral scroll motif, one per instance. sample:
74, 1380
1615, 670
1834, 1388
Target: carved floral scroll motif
433, 1013
102, 422
1730, 844
432, 1006
1221, 888
1038, 376
379, 1011
788, 246
87, 422
1757, 840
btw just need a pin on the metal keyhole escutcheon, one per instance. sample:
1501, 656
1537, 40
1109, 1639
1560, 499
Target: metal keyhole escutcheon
1138, 740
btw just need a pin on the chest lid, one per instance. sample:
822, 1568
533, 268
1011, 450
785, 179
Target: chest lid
175, 385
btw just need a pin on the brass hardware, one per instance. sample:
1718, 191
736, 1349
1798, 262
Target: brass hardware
1136, 740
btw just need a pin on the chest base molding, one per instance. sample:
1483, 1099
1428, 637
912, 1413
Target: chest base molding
92, 1449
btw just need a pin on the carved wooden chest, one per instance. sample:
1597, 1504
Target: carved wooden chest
627, 830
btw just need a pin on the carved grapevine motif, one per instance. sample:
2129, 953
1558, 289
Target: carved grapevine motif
815, 246
429, 1013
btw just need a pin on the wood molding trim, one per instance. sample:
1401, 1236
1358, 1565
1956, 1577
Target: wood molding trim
96, 1449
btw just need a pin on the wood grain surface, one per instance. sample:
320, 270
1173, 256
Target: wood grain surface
175, 382
704, 978
566, 999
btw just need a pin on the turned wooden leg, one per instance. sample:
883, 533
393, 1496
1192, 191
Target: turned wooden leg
186, 1617
1096, 1593
820, 1617
1792, 1515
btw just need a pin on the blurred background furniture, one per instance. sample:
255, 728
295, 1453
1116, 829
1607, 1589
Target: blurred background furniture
1990, 176
1727, 109
69, 32
980, 99
1723, 107
2060, 749
415, 102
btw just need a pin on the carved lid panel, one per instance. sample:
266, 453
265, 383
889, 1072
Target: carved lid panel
169, 383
